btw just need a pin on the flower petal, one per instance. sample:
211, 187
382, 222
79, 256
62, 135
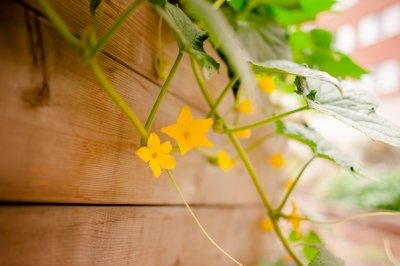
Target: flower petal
144, 153
165, 148
185, 117
245, 134
246, 107
277, 160
201, 126
174, 131
153, 142
201, 141
266, 83
184, 146
155, 167
166, 161
224, 161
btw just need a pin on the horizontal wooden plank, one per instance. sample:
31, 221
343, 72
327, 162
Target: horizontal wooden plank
63, 140
136, 44
73, 236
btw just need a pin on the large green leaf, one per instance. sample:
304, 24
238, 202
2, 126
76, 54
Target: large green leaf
263, 38
325, 258
314, 48
308, 10
189, 37
311, 238
223, 38
352, 105
318, 144
93, 5
287, 67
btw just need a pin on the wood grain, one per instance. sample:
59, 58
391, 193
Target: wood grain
63, 140
73, 236
135, 44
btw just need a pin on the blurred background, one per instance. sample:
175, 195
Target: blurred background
369, 31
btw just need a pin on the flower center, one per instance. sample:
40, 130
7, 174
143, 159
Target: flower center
186, 135
154, 155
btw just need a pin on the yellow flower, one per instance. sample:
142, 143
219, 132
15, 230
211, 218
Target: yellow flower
245, 134
157, 155
277, 160
295, 219
223, 160
266, 225
189, 133
245, 107
288, 184
162, 66
266, 83
287, 258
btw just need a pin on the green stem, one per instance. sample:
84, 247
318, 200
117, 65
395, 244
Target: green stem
255, 144
249, 168
113, 29
267, 120
217, 4
162, 93
263, 197
59, 24
118, 100
258, 142
222, 95
177, 188
287, 195
351, 218
200, 81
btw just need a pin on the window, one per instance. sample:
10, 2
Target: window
345, 39
387, 76
391, 21
368, 29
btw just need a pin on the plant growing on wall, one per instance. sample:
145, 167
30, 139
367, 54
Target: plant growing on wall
263, 47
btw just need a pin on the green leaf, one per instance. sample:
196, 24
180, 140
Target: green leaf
293, 236
93, 5
319, 145
314, 49
287, 67
382, 195
308, 11
322, 38
325, 258
354, 107
160, 3
263, 38
224, 39
310, 252
350, 105
189, 37
238, 5
289, 4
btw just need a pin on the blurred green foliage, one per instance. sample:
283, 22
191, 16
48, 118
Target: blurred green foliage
383, 194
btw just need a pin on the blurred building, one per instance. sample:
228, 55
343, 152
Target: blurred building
369, 31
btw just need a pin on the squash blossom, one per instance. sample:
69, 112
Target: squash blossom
223, 160
288, 184
245, 107
157, 155
189, 133
295, 219
277, 160
245, 134
266, 225
265, 83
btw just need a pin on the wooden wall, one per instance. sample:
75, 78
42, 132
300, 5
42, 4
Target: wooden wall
72, 190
